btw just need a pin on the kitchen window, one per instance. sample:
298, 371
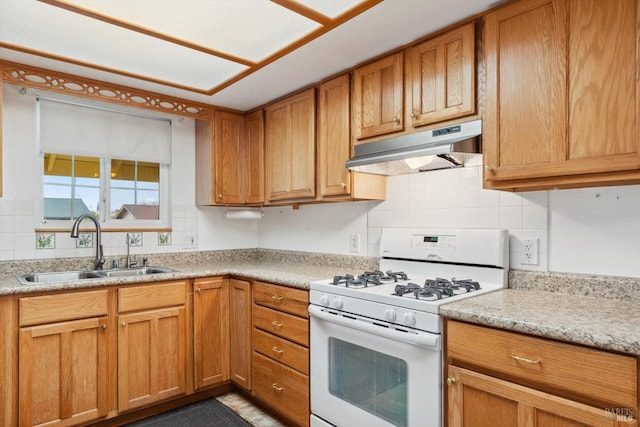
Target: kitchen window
110, 164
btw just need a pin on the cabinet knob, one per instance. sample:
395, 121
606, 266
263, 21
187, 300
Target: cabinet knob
413, 115
488, 168
343, 185
277, 350
451, 381
124, 323
277, 324
220, 196
277, 298
396, 120
198, 290
104, 326
277, 388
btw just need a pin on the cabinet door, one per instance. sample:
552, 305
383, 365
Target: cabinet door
290, 147
211, 331
442, 77
63, 372
561, 101
525, 124
229, 157
477, 400
151, 356
378, 97
240, 332
334, 142
254, 169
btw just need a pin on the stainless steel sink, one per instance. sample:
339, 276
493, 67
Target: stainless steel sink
134, 271
74, 276
61, 276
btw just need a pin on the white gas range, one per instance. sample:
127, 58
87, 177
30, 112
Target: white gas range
376, 337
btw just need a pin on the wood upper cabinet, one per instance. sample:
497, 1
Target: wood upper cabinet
254, 158
378, 96
500, 378
335, 181
240, 332
441, 83
152, 343
1, 185
210, 331
230, 159
63, 367
561, 108
290, 148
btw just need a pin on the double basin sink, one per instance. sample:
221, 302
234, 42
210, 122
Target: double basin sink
74, 276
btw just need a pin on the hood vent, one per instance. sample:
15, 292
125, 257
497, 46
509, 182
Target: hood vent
448, 147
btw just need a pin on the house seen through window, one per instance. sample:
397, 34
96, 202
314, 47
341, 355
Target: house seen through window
73, 186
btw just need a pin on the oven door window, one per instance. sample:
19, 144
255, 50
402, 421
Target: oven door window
374, 382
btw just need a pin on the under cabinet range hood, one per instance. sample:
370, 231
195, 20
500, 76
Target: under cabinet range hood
447, 147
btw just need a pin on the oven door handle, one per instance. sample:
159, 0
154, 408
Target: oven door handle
424, 339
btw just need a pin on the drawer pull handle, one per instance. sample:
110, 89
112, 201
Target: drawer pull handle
451, 381
277, 298
277, 350
277, 324
277, 388
524, 359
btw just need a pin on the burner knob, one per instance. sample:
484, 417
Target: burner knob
410, 318
390, 314
337, 303
324, 300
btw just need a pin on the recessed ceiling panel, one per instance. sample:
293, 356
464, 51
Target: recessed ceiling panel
79, 38
249, 29
331, 8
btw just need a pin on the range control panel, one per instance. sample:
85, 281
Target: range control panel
438, 243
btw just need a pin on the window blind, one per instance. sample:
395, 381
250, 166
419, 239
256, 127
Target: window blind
67, 128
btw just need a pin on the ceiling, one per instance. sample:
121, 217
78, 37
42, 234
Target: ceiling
233, 53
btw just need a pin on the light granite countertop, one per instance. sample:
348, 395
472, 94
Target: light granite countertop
609, 324
281, 267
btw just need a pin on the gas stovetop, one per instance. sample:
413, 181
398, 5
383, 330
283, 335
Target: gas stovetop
419, 271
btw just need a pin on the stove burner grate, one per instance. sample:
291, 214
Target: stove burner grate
438, 288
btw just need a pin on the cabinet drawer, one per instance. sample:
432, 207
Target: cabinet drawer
61, 307
283, 388
282, 324
152, 296
292, 355
290, 300
580, 371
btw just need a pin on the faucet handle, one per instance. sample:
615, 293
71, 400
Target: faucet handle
145, 262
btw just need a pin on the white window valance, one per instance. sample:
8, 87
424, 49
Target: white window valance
67, 128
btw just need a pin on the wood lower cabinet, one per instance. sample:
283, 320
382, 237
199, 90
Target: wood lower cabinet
152, 343
210, 331
498, 378
63, 368
240, 332
561, 94
281, 350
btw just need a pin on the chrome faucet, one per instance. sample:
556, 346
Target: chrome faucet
129, 263
75, 231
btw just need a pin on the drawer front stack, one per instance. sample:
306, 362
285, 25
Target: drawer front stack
281, 350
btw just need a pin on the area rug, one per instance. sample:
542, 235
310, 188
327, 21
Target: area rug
206, 413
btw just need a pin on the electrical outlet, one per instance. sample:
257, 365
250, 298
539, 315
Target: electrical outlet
354, 243
530, 251
189, 241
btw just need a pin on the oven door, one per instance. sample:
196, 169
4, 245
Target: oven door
366, 373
